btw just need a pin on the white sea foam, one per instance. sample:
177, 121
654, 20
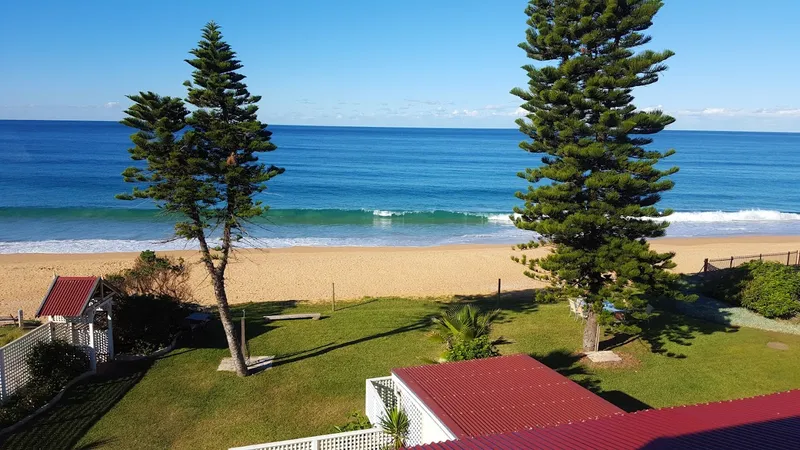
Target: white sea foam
501, 218
749, 215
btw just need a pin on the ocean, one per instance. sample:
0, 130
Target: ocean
348, 186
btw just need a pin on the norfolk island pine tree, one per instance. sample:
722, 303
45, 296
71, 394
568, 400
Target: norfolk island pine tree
592, 200
202, 167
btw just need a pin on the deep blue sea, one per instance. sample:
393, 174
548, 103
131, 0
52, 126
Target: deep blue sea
371, 186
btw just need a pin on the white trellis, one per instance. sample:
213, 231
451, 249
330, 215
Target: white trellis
371, 439
76, 301
70, 306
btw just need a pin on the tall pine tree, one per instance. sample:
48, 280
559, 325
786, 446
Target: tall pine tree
203, 167
592, 199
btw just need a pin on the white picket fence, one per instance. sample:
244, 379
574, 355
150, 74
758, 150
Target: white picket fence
14, 372
371, 439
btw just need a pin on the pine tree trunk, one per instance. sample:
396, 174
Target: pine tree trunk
590, 335
227, 324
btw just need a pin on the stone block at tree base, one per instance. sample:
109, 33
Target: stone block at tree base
254, 364
603, 357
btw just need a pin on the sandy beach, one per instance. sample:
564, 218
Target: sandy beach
305, 273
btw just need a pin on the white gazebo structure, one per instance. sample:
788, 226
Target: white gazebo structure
76, 302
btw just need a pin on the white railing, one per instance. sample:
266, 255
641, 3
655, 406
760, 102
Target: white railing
14, 373
380, 397
371, 439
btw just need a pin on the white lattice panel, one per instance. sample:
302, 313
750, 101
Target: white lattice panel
372, 439
101, 345
379, 398
376, 440
14, 373
415, 419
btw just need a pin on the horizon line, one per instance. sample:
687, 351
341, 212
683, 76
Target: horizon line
405, 127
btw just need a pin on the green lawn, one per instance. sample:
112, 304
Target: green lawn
181, 402
9, 333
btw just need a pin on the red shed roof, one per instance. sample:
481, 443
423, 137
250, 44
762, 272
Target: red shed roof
68, 296
502, 394
770, 421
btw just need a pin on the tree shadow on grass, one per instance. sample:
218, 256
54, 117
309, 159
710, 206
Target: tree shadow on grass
212, 335
668, 328
568, 364
421, 323
520, 301
79, 409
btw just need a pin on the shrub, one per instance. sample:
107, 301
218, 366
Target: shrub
145, 323
768, 288
53, 364
159, 276
462, 349
773, 291
357, 421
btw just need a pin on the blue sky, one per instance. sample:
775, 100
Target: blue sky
426, 63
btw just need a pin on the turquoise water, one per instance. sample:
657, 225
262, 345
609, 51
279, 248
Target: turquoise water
370, 186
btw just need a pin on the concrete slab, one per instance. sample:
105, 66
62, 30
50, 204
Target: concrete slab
603, 357
254, 364
778, 345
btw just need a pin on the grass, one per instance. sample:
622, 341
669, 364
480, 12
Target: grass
10, 332
181, 402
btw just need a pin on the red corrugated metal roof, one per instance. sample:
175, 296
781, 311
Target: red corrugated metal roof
770, 421
68, 296
502, 394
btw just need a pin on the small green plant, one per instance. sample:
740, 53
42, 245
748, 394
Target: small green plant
477, 348
357, 421
395, 423
465, 332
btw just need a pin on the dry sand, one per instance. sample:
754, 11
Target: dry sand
307, 273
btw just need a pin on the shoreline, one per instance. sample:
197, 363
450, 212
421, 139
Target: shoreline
306, 273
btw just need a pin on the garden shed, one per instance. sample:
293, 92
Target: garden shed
84, 304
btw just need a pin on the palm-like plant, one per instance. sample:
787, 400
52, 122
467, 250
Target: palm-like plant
462, 324
395, 423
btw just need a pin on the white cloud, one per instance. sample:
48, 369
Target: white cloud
465, 113
729, 112
652, 108
111, 105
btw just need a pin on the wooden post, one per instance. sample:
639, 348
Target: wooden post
498, 287
759, 256
731, 266
597, 338
705, 266
333, 297
245, 350
20, 320
788, 255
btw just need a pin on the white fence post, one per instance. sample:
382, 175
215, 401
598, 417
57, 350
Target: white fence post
92, 350
3, 392
110, 335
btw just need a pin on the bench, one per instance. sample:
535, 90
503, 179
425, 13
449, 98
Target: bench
313, 316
